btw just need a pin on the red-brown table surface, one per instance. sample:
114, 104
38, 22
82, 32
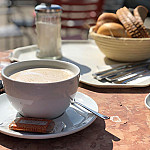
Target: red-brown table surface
132, 133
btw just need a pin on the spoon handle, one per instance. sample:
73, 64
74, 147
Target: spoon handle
92, 111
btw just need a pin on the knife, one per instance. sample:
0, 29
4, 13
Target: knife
120, 69
120, 75
138, 75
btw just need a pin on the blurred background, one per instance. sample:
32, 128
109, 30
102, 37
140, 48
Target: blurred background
17, 18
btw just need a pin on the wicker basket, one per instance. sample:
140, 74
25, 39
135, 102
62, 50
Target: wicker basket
122, 49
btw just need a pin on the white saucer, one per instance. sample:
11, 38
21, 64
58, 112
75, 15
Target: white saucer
147, 101
74, 119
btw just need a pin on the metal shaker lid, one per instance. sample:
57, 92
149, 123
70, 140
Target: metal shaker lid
43, 8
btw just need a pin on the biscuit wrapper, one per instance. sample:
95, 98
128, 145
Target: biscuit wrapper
32, 125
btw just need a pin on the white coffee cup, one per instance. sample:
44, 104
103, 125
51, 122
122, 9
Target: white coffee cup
41, 100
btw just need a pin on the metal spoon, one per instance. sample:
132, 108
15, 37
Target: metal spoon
73, 102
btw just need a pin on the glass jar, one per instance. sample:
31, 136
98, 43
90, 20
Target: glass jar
48, 28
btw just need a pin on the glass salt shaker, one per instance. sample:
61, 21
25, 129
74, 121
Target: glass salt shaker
48, 28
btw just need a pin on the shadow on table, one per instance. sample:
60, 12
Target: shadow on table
93, 137
133, 90
84, 69
111, 62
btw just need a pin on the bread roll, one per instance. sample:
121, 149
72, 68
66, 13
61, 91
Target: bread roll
112, 29
108, 17
105, 18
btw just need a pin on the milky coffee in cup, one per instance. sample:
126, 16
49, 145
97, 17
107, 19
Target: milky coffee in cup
42, 75
41, 88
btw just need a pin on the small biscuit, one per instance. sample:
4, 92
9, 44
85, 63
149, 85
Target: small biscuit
32, 125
